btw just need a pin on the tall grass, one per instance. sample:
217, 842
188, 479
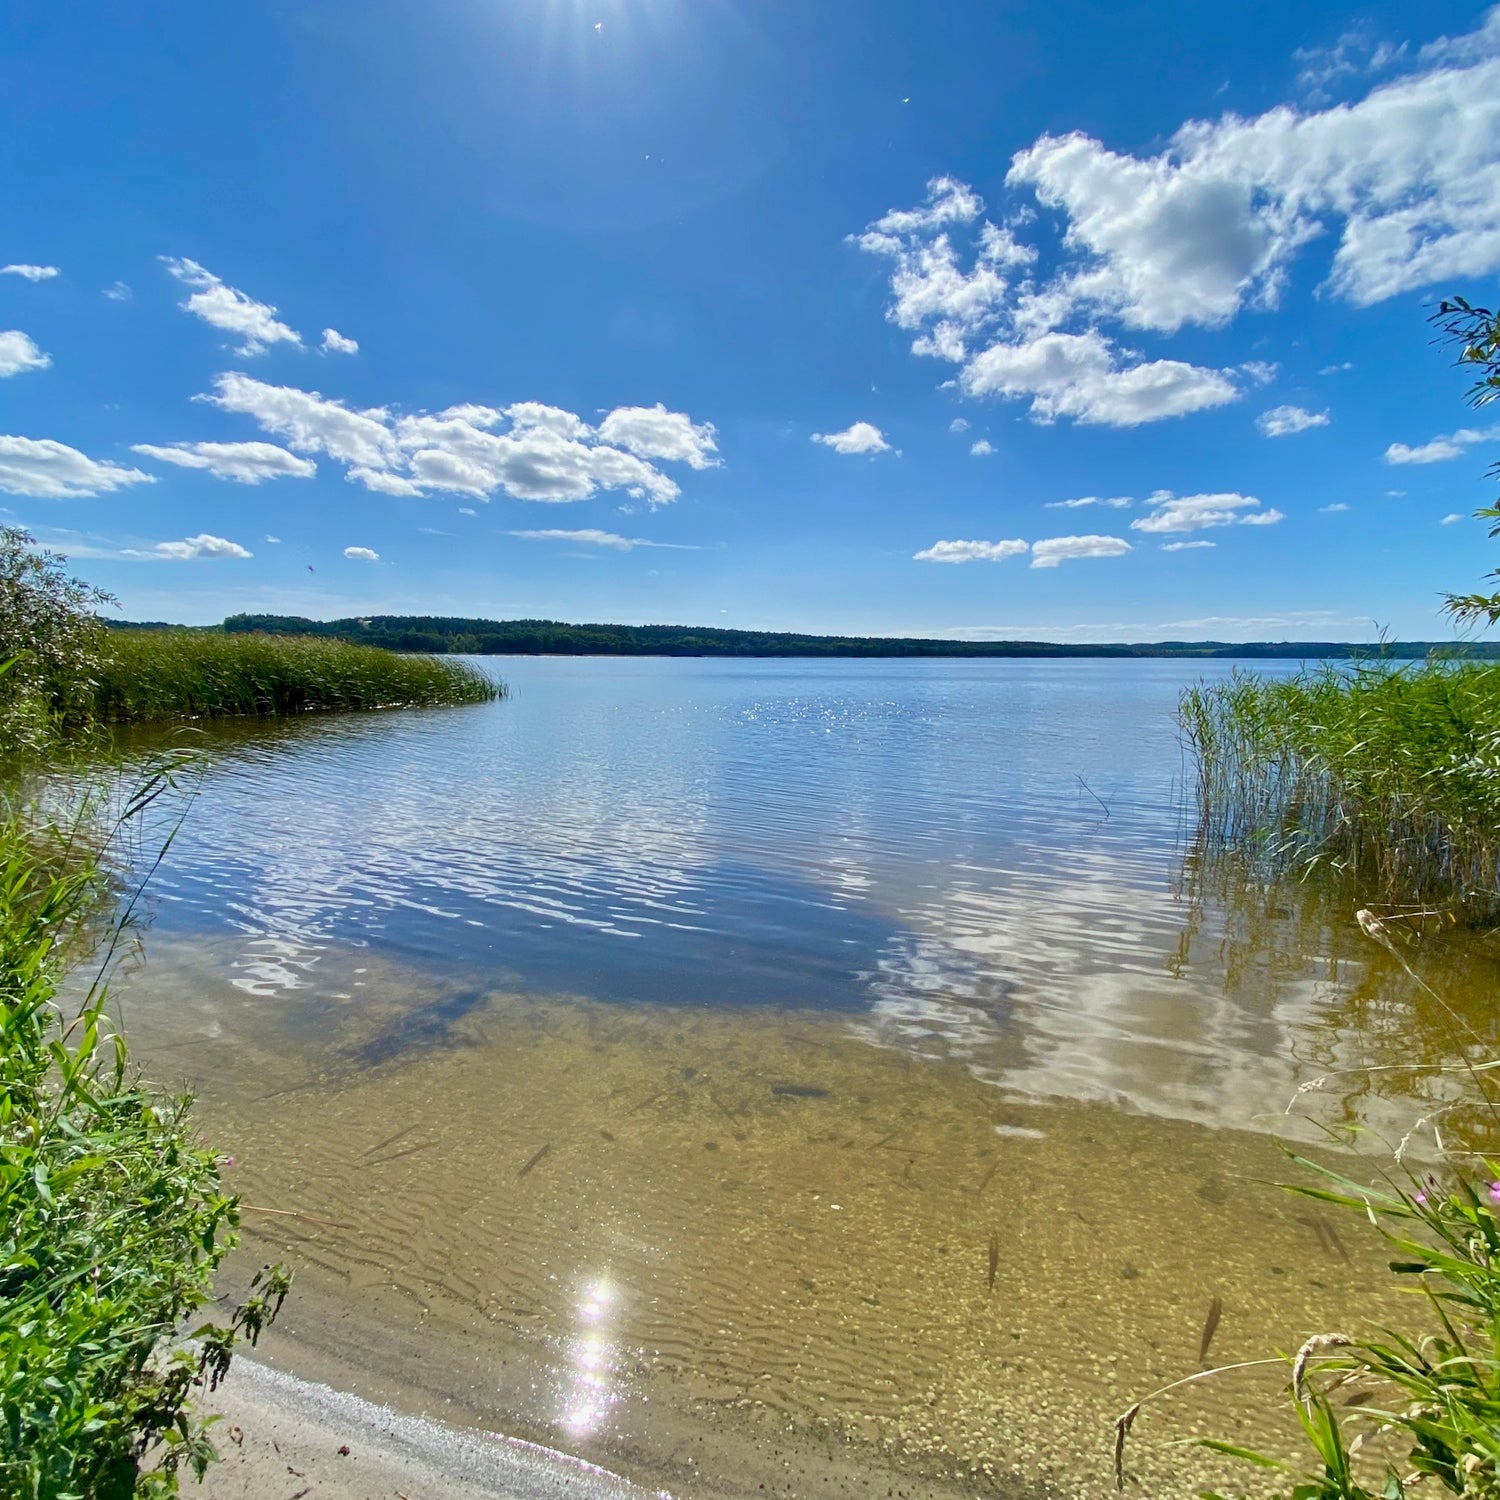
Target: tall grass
112, 1216
161, 674
1390, 771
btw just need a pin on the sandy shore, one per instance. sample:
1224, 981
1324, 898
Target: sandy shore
282, 1439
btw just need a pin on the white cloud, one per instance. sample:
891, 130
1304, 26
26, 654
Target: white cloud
248, 463
1079, 375
53, 471
190, 550
1340, 369
1261, 371
982, 449
31, 273
655, 432
1452, 518
1281, 421
958, 424
1440, 449
588, 537
1171, 512
547, 455
1403, 184
1186, 546
119, 292
860, 437
1329, 510
254, 323
335, 343
18, 353
962, 552
361, 554
1115, 502
1057, 549
274, 540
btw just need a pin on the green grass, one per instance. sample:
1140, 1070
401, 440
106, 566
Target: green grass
165, 674
112, 1216
1390, 772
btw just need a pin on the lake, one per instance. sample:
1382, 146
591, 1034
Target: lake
780, 1076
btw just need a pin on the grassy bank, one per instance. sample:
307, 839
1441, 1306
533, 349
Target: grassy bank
112, 1216
162, 674
1391, 771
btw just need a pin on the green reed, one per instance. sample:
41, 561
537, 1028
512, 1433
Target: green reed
1392, 772
163, 674
113, 1218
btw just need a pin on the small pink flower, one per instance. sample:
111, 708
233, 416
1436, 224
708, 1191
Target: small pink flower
1422, 1197
1495, 1192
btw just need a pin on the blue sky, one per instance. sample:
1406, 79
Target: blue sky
753, 312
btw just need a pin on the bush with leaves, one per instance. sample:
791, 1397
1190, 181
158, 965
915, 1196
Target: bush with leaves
113, 1218
52, 639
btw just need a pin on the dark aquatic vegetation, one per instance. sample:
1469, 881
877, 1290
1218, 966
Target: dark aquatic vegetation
1210, 1328
171, 674
798, 1091
1391, 772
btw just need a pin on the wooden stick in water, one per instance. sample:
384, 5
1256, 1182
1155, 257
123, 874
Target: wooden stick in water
292, 1213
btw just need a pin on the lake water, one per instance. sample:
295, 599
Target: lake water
778, 1076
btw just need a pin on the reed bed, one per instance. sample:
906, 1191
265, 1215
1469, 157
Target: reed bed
1391, 772
165, 674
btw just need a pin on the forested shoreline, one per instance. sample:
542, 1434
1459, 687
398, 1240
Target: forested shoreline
457, 635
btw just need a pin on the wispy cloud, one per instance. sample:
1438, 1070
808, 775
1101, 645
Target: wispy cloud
224, 307
588, 537
1440, 449
246, 463
1115, 502
31, 273
1282, 421
1171, 512
965, 552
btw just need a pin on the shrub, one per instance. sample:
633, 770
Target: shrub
112, 1215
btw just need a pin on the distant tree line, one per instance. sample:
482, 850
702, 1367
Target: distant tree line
444, 635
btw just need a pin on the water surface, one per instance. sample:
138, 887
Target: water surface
773, 1074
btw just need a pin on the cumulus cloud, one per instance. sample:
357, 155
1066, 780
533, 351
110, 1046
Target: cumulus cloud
1451, 518
361, 554
547, 454
335, 343
1171, 512
1440, 449
1186, 546
958, 424
247, 463
224, 307
861, 437
588, 537
119, 292
963, 552
18, 353
1261, 371
1051, 551
655, 432
31, 273
1403, 184
49, 470
1115, 502
1281, 421
982, 449
191, 549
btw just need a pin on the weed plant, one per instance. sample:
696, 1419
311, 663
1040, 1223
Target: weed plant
1391, 772
161, 674
113, 1218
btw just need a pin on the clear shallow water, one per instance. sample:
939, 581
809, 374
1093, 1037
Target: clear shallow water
712, 1065
981, 858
